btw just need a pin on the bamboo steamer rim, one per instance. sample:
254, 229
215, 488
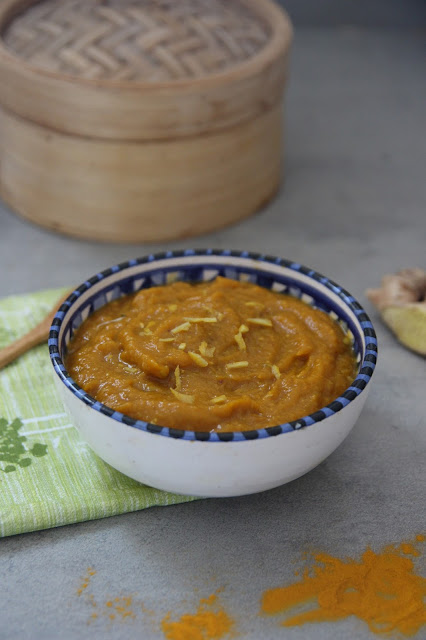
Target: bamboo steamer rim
141, 110
274, 16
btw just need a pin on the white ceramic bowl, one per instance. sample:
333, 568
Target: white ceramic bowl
213, 464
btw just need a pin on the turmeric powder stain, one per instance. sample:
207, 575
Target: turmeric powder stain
119, 608
210, 622
90, 572
381, 589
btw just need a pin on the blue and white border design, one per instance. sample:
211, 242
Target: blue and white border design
197, 265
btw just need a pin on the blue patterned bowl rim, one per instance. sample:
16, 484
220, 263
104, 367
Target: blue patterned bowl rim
366, 365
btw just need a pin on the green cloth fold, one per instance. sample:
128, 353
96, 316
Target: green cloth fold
48, 475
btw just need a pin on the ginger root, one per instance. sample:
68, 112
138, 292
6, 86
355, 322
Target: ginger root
401, 301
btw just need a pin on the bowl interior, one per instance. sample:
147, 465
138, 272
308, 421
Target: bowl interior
272, 273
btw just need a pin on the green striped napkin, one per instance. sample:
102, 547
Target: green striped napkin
48, 475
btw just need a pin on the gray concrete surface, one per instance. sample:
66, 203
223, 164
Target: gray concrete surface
381, 14
354, 207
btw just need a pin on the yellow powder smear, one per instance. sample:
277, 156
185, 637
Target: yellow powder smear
123, 607
90, 572
380, 588
209, 622
119, 608
409, 549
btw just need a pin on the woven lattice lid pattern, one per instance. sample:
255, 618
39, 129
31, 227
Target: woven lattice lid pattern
137, 40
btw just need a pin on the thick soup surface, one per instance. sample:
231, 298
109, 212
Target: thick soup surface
221, 356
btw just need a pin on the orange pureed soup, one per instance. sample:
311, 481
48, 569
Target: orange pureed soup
215, 356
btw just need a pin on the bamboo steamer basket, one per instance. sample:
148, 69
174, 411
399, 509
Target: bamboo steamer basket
140, 120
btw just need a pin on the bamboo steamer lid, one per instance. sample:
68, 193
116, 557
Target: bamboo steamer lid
140, 120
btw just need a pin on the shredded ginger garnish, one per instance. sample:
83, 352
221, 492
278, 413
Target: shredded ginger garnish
146, 330
197, 320
181, 327
205, 350
276, 371
199, 360
177, 377
237, 365
240, 341
130, 369
101, 324
264, 322
183, 397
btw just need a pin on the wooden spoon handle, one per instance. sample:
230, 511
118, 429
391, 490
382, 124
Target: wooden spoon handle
35, 336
